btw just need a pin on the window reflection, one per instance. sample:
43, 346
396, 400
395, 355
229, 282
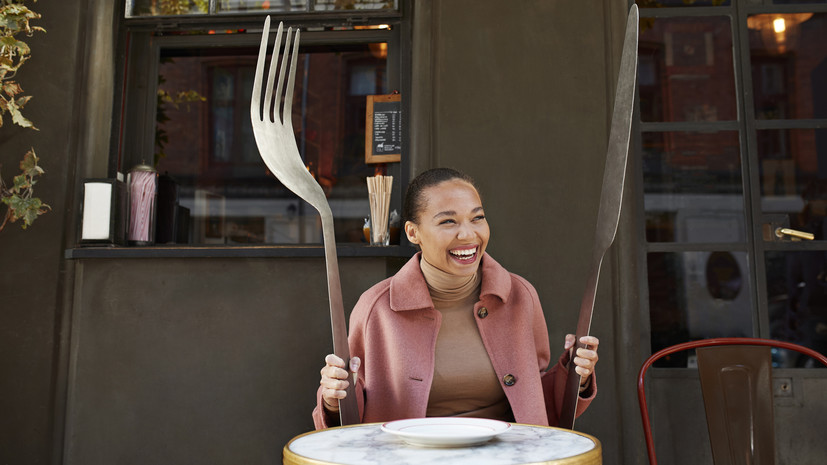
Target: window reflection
692, 187
797, 297
135, 8
789, 65
355, 4
166, 7
698, 295
253, 5
686, 70
211, 153
793, 168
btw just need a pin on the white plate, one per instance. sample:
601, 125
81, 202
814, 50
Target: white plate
445, 431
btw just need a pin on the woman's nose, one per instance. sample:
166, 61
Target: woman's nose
465, 231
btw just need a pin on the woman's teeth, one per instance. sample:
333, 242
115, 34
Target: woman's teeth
464, 254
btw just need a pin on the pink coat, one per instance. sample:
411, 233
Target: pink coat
393, 329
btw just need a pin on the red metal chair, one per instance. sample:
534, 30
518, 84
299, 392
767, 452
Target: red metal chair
740, 424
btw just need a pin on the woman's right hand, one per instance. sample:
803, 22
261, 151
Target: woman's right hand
335, 379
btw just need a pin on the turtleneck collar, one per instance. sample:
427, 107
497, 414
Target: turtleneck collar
447, 287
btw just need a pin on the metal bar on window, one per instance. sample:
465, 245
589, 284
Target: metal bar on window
785, 8
691, 126
654, 247
791, 124
684, 12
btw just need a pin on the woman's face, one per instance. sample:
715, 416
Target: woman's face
451, 229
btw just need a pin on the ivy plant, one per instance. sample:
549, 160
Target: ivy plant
15, 21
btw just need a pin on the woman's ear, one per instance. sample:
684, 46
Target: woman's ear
412, 232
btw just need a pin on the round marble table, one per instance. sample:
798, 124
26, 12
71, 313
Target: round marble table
367, 444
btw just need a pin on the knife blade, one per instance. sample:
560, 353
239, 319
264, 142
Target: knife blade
611, 195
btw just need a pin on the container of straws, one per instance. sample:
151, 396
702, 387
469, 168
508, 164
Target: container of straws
142, 185
379, 193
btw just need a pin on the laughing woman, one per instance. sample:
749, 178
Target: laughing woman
452, 333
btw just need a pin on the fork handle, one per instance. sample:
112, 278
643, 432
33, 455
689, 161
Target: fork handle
348, 407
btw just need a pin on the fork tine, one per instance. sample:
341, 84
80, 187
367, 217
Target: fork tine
282, 72
287, 116
255, 99
268, 92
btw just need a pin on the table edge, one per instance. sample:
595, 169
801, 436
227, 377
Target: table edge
591, 457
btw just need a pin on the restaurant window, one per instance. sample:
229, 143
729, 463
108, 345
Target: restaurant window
733, 151
186, 110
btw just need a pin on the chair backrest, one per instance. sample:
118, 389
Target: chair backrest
736, 381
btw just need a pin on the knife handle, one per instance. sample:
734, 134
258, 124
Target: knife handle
348, 407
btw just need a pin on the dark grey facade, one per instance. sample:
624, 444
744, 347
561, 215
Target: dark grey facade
205, 359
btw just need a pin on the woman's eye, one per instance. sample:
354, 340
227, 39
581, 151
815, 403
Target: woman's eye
447, 222
479, 218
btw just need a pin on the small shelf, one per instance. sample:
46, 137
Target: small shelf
263, 251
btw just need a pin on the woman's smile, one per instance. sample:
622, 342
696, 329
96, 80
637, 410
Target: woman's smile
464, 255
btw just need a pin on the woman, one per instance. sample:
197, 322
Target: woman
452, 333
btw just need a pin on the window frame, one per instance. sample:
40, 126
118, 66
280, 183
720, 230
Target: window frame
140, 40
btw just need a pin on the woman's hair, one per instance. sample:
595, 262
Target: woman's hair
414, 198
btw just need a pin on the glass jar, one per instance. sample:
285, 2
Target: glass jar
142, 184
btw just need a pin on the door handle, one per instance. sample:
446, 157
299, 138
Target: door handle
794, 234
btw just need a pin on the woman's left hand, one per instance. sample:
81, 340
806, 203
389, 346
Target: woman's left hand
586, 358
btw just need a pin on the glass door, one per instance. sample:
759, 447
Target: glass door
788, 74
733, 150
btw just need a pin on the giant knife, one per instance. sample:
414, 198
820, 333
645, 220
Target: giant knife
610, 199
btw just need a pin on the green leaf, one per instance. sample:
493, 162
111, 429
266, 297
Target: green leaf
32, 211
21, 182
29, 160
8, 22
12, 88
26, 209
22, 101
8, 41
22, 47
18, 117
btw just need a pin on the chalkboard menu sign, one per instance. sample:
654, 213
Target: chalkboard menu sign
383, 129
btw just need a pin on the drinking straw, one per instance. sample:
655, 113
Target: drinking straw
379, 194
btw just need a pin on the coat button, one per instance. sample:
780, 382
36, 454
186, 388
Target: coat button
509, 380
482, 312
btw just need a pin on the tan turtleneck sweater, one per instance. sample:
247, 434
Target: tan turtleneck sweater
465, 383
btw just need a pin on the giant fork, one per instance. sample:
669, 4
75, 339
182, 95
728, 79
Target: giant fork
277, 146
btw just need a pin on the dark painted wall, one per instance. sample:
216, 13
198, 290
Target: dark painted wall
211, 361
